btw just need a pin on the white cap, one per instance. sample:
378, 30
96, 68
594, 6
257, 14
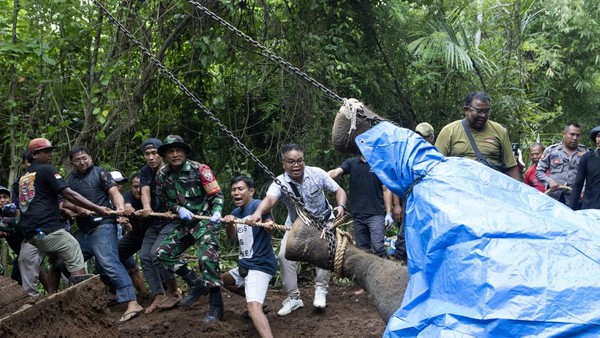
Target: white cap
117, 176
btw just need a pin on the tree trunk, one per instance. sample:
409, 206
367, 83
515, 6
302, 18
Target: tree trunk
11, 99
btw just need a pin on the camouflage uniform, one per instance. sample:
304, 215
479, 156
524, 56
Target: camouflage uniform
195, 188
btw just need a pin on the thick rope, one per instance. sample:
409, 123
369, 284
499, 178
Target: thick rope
349, 109
560, 187
170, 215
342, 238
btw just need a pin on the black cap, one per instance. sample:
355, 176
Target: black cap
4, 189
594, 133
151, 143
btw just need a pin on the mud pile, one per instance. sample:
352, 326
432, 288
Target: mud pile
79, 311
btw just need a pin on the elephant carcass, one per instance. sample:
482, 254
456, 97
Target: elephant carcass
488, 256
383, 279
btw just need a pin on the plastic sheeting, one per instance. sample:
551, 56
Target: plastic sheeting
488, 256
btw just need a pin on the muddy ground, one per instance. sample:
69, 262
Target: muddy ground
82, 311
346, 315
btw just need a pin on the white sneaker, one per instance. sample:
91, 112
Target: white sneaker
289, 305
320, 297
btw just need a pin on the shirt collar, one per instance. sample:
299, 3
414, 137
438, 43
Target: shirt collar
186, 166
290, 180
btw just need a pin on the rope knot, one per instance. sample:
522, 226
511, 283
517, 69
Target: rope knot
349, 109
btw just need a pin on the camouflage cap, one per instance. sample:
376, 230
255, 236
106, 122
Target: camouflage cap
173, 141
38, 144
424, 129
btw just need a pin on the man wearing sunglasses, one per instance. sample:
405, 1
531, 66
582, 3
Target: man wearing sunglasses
490, 137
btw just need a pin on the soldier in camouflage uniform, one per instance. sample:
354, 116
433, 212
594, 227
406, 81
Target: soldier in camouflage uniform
189, 188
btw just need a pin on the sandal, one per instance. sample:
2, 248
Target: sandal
127, 316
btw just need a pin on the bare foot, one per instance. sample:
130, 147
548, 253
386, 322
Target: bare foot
359, 292
170, 302
155, 303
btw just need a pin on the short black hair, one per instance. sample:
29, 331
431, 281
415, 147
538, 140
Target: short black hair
77, 149
481, 96
27, 156
289, 147
249, 182
574, 124
134, 175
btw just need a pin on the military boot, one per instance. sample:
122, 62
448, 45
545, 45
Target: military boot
216, 308
196, 288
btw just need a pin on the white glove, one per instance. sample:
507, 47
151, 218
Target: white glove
216, 217
389, 221
184, 214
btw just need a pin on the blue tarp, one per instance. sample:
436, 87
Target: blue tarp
488, 256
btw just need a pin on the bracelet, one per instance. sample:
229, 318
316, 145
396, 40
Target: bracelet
343, 207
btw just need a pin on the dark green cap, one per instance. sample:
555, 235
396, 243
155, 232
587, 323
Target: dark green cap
173, 141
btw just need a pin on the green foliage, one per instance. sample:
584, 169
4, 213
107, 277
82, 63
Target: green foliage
79, 80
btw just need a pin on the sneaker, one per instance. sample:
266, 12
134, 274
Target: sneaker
320, 298
289, 305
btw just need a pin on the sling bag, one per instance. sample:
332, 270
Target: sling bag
480, 158
326, 215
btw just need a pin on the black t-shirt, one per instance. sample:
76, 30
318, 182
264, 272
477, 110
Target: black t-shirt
129, 198
366, 190
93, 185
138, 225
148, 179
38, 199
588, 172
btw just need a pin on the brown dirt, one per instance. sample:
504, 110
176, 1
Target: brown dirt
81, 311
346, 315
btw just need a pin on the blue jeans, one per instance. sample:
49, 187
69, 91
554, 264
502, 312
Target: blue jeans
369, 233
102, 244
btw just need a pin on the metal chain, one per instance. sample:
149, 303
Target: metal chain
372, 119
316, 220
199, 103
268, 53
285, 64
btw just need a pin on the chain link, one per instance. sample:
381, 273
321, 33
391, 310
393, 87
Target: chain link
198, 102
268, 53
285, 64
316, 220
